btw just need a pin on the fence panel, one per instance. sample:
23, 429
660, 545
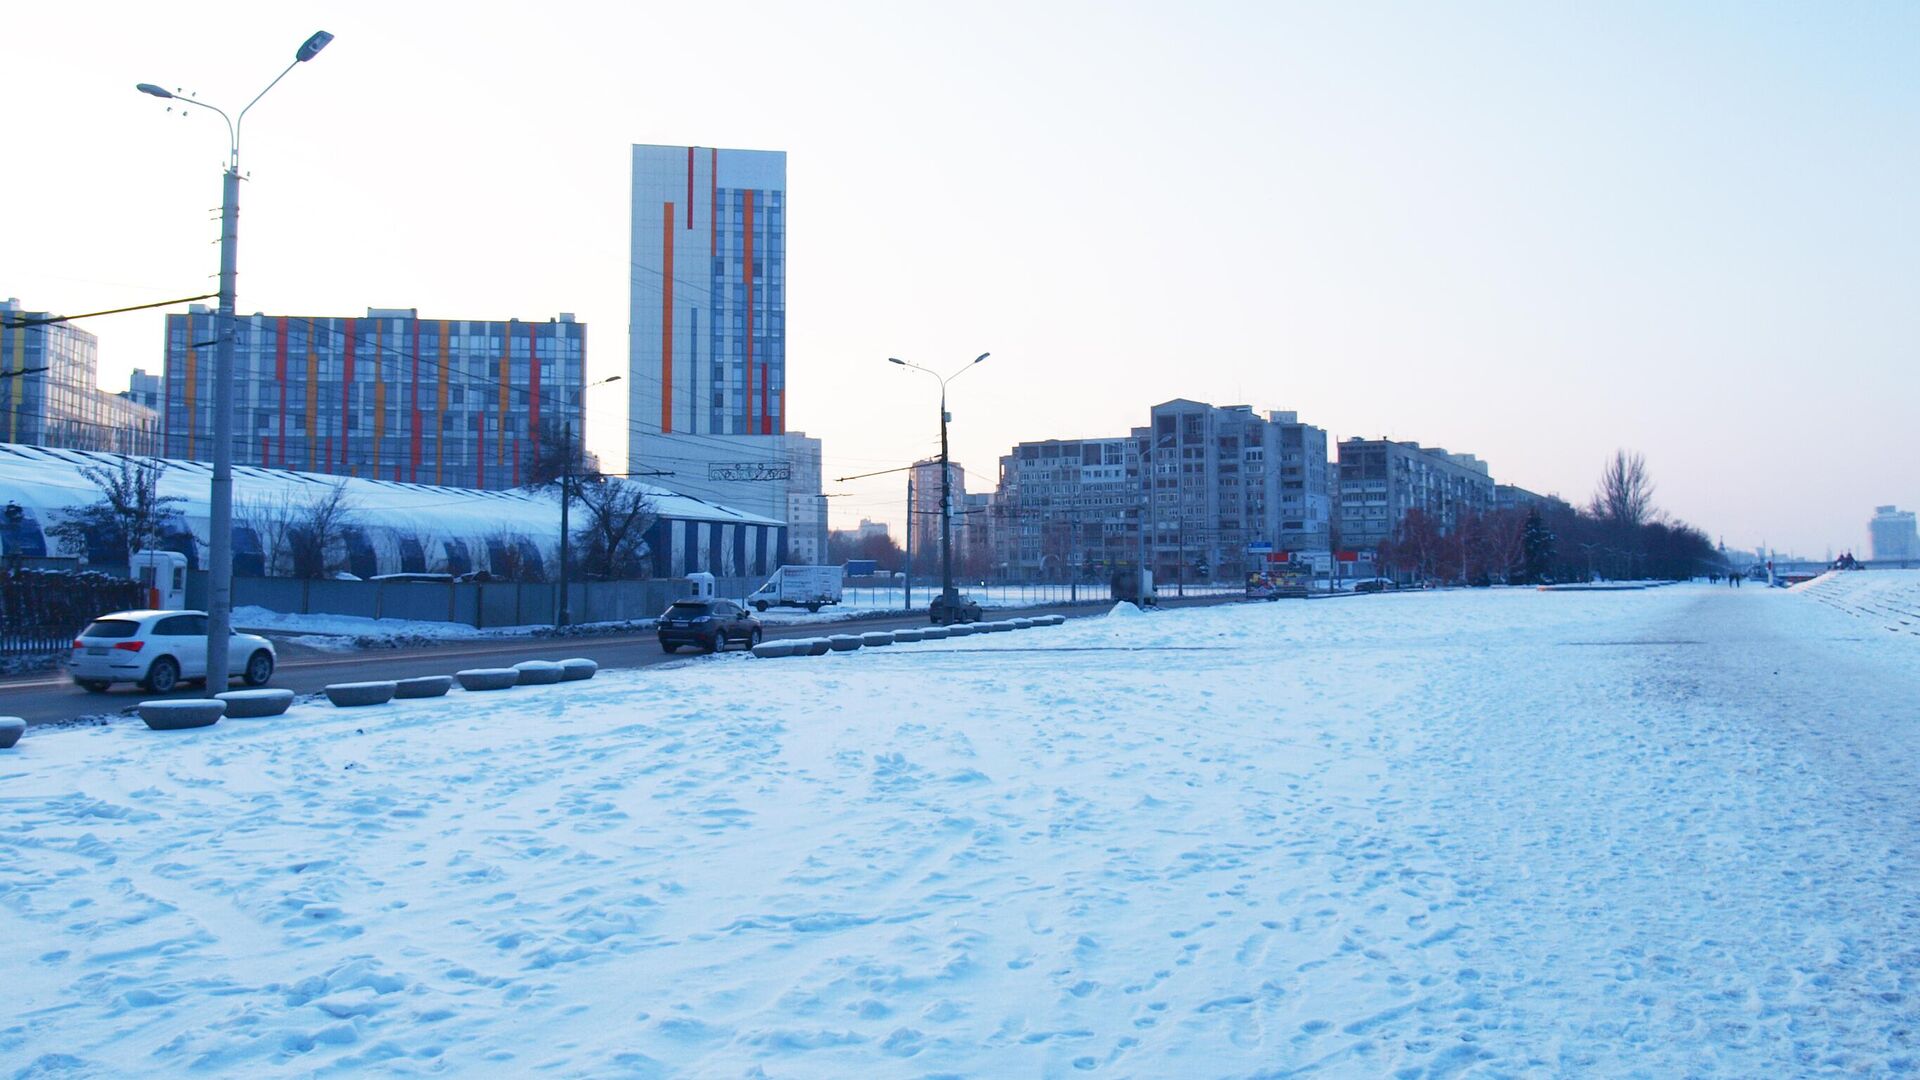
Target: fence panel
42, 610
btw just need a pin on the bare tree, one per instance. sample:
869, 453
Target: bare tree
130, 508
272, 518
546, 459
1625, 496
609, 544
317, 531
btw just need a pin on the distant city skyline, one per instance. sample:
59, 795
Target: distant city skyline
1529, 234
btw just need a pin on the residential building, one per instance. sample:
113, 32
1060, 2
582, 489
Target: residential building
1066, 509
49, 386
1301, 488
146, 390
924, 507
392, 396
1381, 480
1893, 534
1514, 497
806, 514
707, 378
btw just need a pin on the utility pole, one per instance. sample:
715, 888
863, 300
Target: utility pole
907, 603
948, 598
220, 490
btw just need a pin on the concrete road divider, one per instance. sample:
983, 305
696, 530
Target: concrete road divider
962, 629
934, 633
1021, 624
539, 672
487, 678
179, 714
423, 686
576, 668
817, 646
876, 637
354, 695
844, 642
906, 634
769, 650
250, 704
11, 728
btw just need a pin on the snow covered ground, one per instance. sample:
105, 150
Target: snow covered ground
1888, 599
1660, 833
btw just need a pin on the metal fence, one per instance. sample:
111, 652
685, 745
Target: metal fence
42, 610
1020, 594
477, 604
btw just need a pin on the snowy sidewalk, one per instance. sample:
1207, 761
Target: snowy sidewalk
1569, 834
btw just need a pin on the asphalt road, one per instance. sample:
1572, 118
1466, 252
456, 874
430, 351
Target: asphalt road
52, 697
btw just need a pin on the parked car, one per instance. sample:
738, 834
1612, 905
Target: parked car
159, 649
940, 613
710, 624
1374, 585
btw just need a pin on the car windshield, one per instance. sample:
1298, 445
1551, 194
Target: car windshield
688, 610
110, 628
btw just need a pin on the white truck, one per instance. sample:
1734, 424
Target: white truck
810, 587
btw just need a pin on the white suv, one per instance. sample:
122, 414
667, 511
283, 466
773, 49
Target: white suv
157, 649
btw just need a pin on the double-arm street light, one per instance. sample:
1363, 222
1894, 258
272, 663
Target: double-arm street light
948, 601
564, 615
220, 514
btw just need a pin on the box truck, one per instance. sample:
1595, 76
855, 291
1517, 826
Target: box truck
810, 587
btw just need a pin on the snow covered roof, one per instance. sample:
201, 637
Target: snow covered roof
48, 481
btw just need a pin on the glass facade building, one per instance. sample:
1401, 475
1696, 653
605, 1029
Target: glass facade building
62, 405
392, 396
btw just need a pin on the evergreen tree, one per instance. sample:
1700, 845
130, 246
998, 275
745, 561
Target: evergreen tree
1537, 546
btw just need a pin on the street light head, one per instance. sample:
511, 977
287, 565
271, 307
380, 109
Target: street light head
981, 357
611, 378
312, 46
896, 360
149, 88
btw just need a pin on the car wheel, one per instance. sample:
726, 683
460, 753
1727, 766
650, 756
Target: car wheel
813, 609
669, 647
753, 639
163, 676
760, 605
93, 686
259, 668
715, 643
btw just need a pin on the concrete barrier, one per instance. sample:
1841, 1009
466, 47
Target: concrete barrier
873, 638
487, 678
1021, 624
909, 634
539, 672
844, 642
934, 633
769, 650
424, 686
179, 714
962, 629
250, 704
353, 695
577, 668
11, 728
818, 646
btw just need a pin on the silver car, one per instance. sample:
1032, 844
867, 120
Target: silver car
158, 649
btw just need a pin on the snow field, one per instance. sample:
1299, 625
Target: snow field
1406, 835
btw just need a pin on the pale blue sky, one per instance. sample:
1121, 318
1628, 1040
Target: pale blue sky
1531, 232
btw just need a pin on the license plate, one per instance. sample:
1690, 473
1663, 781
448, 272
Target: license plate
97, 650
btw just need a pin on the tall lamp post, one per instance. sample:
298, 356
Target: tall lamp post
220, 511
565, 613
947, 597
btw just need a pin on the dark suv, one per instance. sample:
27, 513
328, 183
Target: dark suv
709, 624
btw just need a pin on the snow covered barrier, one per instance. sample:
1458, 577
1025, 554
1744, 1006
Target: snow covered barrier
770, 650
1022, 624
908, 634
11, 728
935, 633
353, 695
251, 704
424, 686
183, 713
874, 638
818, 646
844, 642
961, 629
487, 678
538, 672
576, 668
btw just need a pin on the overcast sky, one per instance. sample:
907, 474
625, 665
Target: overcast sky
1531, 232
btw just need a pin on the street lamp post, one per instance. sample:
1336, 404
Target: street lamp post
948, 599
564, 615
220, 496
